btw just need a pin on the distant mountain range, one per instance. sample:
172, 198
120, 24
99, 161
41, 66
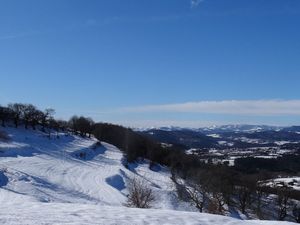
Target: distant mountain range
227, 136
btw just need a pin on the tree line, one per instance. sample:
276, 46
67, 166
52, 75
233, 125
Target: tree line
288, 163
29, 115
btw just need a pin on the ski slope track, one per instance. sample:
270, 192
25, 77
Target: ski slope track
74, 180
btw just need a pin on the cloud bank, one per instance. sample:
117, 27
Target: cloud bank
233, 107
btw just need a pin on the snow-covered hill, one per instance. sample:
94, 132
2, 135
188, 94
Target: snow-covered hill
74, 180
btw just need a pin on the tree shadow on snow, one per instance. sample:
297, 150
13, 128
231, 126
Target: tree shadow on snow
3, 179
116, 182
89, 153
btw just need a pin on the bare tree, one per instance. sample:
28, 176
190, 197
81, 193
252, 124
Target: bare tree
220, 185
50, 121
296, 213
258, 195
73, 123
30, 113
140, 194
213, 206
220, 200
17, 110
82, 125
282, 200
196, 194
46, 117
53, 124
4, 115
244, 197
63, 125
195, 189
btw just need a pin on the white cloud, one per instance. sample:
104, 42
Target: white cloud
166, 123
233, 107
195, 3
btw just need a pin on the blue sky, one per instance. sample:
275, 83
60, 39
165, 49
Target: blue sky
141, 62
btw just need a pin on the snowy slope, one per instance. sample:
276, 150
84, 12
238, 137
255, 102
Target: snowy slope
83, 214
52, 171
45, 181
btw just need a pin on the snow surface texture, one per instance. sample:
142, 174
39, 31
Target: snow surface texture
74, 180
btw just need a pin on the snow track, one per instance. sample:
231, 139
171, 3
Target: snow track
72, 169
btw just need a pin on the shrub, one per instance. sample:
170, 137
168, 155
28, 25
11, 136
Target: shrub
140, 194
